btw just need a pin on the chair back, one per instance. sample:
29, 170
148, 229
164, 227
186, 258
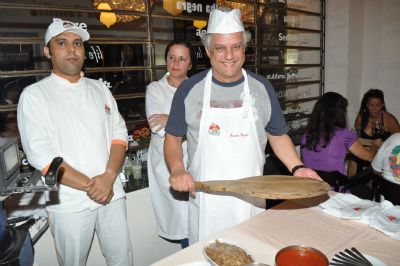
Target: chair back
389, 190
335, 179
363, 184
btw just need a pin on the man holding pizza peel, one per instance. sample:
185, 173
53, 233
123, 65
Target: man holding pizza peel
227, 115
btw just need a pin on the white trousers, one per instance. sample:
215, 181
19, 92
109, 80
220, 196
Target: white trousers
73, 235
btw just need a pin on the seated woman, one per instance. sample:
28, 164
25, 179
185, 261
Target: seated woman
372, 122
326, 140
387, 162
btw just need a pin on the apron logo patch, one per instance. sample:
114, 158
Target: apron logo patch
107, 109
214, 130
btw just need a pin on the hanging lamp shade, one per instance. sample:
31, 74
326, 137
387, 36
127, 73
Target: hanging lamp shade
199, 24
107, 18
171, 7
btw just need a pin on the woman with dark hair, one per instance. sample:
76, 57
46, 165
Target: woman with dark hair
373, 121
327, 140
170, 206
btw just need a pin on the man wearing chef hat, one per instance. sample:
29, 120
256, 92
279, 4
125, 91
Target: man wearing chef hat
77, 118
227, 115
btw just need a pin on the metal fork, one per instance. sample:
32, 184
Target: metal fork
351, 257
355, 252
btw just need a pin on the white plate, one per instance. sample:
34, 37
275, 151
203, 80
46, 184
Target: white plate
196, 263
374, 260
222, 240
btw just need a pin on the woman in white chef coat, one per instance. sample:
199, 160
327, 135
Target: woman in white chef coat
170, 207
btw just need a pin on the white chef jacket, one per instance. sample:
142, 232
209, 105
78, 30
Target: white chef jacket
76, 121
171, 212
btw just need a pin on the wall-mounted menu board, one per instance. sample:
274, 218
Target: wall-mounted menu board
128, 53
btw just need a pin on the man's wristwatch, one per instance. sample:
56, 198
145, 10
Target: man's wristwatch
297, 167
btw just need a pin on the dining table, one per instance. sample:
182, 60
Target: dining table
296, 222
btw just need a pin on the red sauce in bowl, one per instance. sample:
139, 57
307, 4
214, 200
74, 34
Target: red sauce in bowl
300, 256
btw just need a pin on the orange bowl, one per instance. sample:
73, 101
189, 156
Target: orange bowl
300, 256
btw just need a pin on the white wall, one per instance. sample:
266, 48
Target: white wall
336, 46
382, 50
363, 51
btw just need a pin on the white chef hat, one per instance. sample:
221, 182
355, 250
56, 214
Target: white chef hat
225, 22
59, 26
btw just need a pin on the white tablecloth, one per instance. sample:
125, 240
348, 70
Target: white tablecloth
297, 223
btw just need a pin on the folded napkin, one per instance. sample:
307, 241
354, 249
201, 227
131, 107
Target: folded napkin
387, 221
382, 216
348, 206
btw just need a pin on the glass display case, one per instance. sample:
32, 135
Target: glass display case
128, 40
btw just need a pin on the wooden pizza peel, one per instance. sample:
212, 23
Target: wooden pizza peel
268, 187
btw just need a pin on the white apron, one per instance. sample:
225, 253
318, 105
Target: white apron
228, 148
170, 207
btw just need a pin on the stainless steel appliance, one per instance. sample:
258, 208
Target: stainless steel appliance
15, 241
